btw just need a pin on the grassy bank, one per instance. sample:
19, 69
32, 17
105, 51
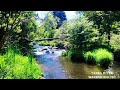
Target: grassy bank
99, 56
13, 65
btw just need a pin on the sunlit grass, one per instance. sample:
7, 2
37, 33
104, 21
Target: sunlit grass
99, 56
15, 66
103, 57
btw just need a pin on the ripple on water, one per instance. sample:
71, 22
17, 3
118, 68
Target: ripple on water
51, 66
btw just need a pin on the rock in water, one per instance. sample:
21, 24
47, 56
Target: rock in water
52, 51
47, 51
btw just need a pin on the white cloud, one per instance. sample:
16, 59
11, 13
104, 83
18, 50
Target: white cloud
41, 13
71, 14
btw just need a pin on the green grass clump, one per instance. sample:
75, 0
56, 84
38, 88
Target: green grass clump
103, 57
90, 58
15, 66
99, 56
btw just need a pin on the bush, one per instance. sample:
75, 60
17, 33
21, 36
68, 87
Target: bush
99, 56
65, 53
103, 57
74, 55
90, 58
15, 66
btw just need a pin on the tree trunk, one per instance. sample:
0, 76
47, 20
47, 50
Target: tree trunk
4, 38
2, 42
109, 37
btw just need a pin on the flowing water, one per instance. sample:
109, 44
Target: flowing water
57, 67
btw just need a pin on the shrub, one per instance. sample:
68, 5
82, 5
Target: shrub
74, 55
99, 56
65, 53
89, 58
16, 66
71, 54
103, 57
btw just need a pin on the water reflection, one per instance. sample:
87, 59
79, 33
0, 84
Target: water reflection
85, 71
79, 70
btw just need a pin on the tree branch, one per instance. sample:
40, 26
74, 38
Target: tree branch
19, 21
14, 21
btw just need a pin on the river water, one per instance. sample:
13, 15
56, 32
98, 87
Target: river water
57, 67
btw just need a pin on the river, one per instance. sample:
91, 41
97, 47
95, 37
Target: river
57, 67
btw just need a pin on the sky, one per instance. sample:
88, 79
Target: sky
69, 14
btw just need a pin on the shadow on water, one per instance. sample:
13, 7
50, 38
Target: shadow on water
86, 71
79, 70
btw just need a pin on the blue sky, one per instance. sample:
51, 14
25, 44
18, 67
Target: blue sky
69, 14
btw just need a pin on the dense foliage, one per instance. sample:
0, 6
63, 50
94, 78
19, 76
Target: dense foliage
14, 65
17, 28
82, 35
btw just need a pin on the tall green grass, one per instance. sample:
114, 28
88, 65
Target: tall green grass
99, 56
103, 57
90, 58
13, 65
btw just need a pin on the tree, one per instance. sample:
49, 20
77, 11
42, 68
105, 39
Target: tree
104, 20
25, 36
48, 26
10, 22
62, 17
82, 34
